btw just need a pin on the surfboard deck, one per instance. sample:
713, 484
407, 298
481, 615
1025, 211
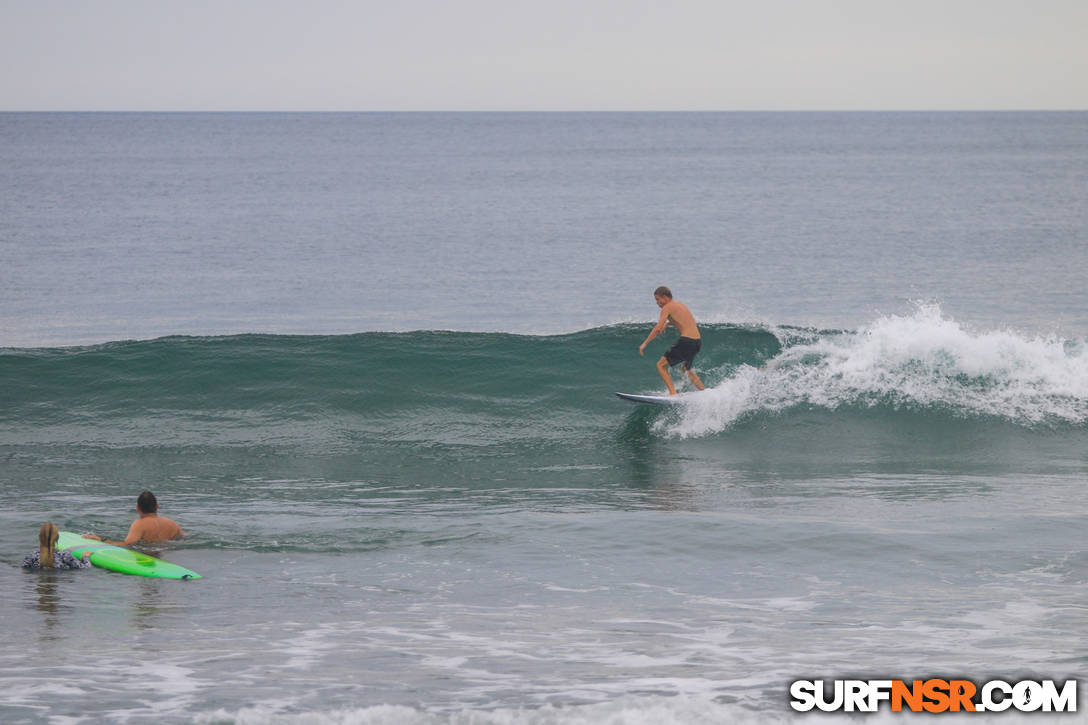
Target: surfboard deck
652, 399
118, 558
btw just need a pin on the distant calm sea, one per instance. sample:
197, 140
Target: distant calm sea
367, 362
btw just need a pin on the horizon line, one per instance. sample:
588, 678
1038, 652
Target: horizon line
545, 111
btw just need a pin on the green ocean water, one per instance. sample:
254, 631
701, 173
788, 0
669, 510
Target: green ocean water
412, 407
418, 526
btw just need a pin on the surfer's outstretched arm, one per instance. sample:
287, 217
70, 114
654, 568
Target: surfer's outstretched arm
658, 329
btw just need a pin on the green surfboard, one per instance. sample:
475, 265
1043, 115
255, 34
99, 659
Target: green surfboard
118, 558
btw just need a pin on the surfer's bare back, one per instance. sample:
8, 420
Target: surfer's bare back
678, 315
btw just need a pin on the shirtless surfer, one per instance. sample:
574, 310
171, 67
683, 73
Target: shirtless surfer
679, 316
150, 527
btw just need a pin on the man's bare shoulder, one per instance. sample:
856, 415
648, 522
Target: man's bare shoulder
678, 309
158, 528
683, 319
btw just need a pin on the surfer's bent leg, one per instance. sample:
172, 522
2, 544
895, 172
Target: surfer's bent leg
663, 369
685, 351
695, 379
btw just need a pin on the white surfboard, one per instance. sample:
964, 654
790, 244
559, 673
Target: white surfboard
652, 399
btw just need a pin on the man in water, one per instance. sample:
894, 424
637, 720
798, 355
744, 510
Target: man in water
679, 316
150, 527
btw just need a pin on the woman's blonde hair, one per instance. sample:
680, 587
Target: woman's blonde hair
47, 539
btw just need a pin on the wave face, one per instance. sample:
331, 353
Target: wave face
486, 389
489, 389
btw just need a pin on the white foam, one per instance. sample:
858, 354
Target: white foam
918, 361
628, 710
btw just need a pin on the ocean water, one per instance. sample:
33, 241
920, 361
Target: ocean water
367, 362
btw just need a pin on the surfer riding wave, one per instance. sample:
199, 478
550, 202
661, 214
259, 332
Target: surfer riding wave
683, 352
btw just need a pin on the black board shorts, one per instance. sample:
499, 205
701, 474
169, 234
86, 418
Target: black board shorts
684, 351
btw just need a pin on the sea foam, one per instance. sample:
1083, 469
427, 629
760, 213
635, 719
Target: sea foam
923, 361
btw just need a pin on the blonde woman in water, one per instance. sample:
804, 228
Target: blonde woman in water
47, 556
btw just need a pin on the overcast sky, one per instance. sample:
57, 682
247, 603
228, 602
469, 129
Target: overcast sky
543, 54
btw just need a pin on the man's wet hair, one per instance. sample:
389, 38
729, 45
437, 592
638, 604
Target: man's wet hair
663, 291
147, 503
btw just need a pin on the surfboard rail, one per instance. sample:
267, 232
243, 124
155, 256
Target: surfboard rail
120, 559
652, 399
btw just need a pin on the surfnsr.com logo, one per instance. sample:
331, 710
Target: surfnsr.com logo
933, 695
